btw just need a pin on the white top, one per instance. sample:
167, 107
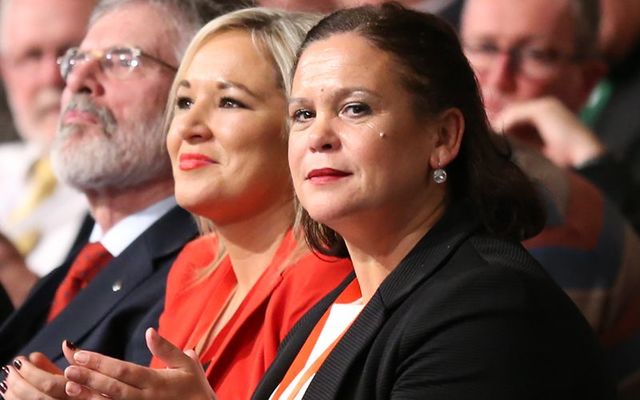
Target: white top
341, 316
122, 234
57, 219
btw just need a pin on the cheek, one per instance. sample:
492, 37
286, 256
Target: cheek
296, 149
173, 142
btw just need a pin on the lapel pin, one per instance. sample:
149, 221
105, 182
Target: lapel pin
117, 285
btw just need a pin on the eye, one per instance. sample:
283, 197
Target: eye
356, 110
184, 103
485, 48
228, 102
31, 56
302, 115
545, 56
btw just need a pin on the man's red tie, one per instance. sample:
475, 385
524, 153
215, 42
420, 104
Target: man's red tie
91, 259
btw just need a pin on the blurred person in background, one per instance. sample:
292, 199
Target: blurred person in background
536, 79
39, 216
612, 110
536, 64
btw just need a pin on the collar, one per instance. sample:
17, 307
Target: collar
122, 234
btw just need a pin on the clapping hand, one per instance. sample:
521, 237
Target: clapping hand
95, 376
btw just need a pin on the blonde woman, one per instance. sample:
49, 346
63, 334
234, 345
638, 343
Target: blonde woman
233, 296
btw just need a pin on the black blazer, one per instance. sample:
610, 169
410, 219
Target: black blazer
464, 316
111, 314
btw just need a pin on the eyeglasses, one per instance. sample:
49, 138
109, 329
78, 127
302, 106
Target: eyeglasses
533, 62
117, 61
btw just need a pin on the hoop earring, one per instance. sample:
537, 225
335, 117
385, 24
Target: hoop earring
439, 175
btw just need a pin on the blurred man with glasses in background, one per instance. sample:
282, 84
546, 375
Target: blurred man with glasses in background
537, 63
39, 216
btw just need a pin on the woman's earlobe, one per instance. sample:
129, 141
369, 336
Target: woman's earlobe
450, 131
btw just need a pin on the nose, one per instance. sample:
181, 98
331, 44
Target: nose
86, 78
501, 75
191, 125
323, 136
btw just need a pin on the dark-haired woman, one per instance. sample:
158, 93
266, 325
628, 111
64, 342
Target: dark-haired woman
394, 166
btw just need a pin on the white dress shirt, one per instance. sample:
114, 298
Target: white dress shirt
122, 234
57, 218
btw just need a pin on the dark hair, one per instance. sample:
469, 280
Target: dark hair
433, 68
187, 16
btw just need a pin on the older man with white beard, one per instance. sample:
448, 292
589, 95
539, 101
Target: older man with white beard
110, 145
39, 216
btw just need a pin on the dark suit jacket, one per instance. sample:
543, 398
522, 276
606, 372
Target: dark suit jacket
6, 307
464, 316
111, 314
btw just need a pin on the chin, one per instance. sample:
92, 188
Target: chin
189, 201
327, 214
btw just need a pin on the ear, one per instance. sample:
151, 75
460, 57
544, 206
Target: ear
449, 128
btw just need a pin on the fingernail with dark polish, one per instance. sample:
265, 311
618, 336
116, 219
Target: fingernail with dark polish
70, 345
3, 386
5, 371
17, 363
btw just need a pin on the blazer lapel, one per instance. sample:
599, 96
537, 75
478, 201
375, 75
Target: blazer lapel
112, 285
255, 300
423, 260
20, 326
121, 276
294, 340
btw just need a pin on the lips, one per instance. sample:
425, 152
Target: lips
76, 116
323, 175
190, 161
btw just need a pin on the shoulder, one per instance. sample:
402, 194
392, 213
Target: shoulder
489, 306
494, 272
493, 287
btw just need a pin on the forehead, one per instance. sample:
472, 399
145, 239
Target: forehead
345, 59
234, 56
519, 19
141, 25
42, 23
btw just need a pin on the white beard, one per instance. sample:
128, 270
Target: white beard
121, 157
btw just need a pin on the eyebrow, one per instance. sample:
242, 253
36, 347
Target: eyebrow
342, 92
223, 84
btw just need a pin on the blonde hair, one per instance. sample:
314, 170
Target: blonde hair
275, 33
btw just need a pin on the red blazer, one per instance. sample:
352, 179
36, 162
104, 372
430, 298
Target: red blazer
246, 346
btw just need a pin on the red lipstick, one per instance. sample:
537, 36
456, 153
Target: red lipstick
189, 161
325, 175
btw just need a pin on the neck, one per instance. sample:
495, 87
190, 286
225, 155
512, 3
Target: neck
110, 206
378, 244
251, 243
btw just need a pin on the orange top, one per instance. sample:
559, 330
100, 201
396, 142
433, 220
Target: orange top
297, 369
245, 347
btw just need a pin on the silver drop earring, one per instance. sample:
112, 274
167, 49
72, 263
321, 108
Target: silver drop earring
439, 175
